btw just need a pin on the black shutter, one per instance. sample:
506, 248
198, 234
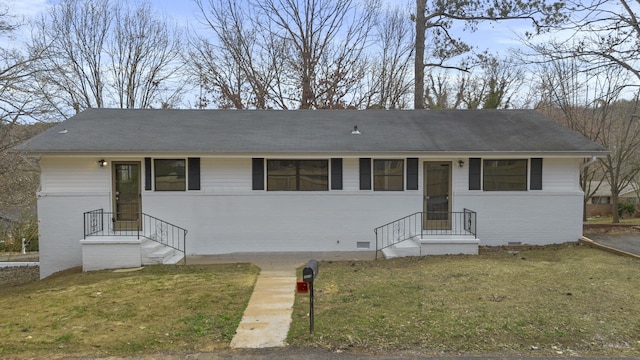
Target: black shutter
365, 173
193, 165
475, 165
412, 173
535, 183
147, 173
336, 174
258, 174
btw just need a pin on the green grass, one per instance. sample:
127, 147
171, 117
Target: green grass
566, 299
569, 300
157, 309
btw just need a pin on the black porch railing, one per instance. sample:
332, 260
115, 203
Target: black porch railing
421, 223
101, 223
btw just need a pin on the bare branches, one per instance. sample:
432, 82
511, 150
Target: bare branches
591, 102
493, 86
390, 80
105, 53
435, 18
143, 51
600, 33
284, 54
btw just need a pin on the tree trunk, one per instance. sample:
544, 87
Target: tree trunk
614, 207
418, 97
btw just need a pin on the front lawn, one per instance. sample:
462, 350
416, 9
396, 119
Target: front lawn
562, 300
156, 309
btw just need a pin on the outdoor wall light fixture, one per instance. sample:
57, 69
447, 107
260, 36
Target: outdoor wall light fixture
461, 163
355, 131
102, 162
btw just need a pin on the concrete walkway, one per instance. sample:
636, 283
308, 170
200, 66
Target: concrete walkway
267, 318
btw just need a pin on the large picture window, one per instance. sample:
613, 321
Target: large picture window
297, 175
169, 174
388, 175
505, 175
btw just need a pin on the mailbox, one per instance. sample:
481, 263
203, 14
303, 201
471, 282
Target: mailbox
310, 271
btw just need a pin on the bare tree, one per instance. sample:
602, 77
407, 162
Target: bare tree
622, 138
591, 103
436, 19
72, 37
18, 174
579, 100
441, 92
143, 52
285, 53
604, 34
242, 65
331, 31
492, 85
390, 81
103, 53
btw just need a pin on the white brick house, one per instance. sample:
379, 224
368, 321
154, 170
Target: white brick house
254, 181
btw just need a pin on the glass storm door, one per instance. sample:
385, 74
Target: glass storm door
437, 187
126, 196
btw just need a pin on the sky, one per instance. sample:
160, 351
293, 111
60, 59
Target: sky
496, 37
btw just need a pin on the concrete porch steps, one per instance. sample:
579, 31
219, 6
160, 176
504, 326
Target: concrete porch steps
153, 252
434, 245
402, 249
176, 258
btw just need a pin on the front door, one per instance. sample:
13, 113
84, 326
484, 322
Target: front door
126, 196
437, 187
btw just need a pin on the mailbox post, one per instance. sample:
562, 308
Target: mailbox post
309, 273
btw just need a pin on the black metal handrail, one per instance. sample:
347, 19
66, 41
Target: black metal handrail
437, 223
100, 223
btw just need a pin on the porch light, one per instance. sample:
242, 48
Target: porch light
102, 162
355, 130
461, 163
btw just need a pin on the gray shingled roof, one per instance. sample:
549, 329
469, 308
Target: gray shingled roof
321, 131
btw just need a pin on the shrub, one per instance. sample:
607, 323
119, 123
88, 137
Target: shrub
626, 208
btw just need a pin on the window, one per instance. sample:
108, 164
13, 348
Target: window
297, 175
388, 175
601, 200
169, 174
505, 175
